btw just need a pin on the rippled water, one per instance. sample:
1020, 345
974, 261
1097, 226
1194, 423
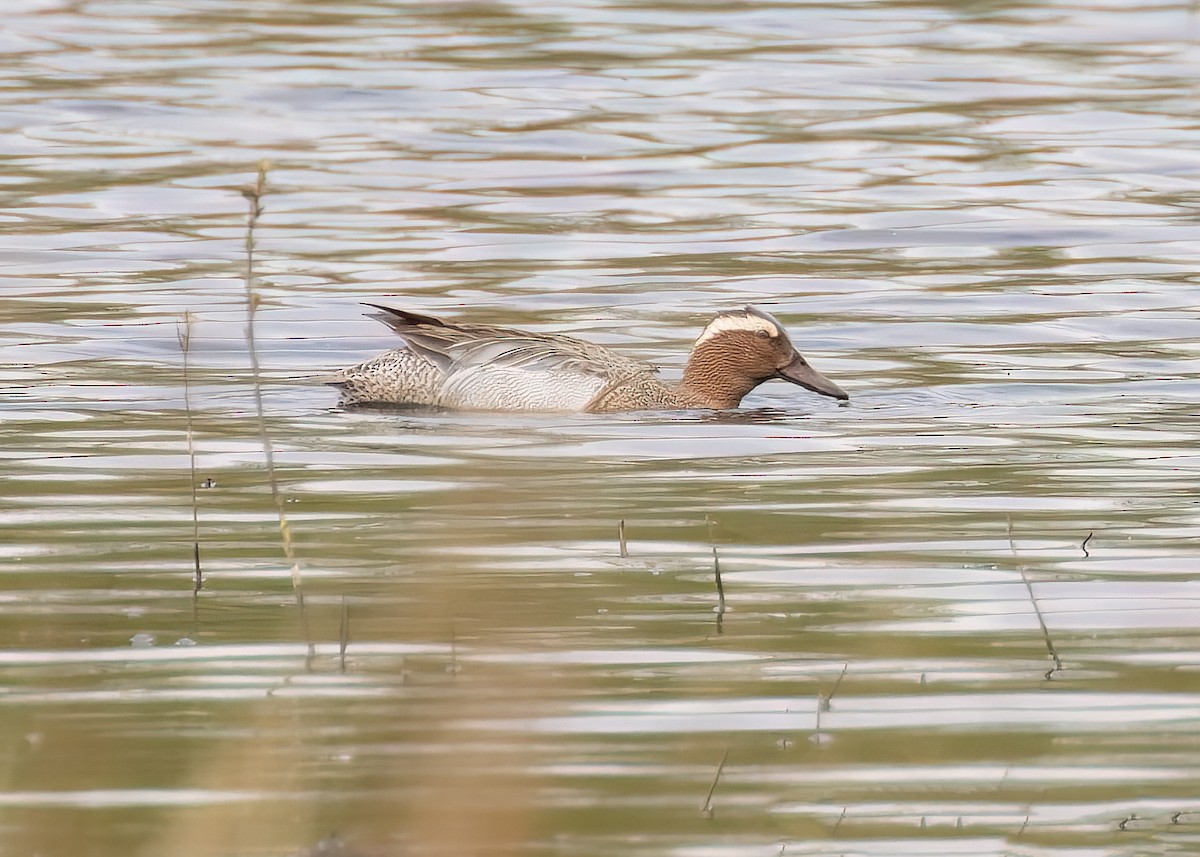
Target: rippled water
977, 217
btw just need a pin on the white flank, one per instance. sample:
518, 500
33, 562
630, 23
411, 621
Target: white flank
735, 321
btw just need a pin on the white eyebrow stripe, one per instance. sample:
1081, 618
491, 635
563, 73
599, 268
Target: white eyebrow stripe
735, 321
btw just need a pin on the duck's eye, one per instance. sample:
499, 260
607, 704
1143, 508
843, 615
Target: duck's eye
762, 334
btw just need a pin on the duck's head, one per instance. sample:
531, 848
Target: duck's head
741, 349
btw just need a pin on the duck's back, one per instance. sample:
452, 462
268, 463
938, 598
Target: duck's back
481, 367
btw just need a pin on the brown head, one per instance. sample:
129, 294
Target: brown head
740, 350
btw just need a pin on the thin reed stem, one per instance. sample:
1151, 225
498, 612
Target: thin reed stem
837, 684
343, 635
707, 809
825, 701
709, 523
183, 330
720, 585
1037, 609
254, 196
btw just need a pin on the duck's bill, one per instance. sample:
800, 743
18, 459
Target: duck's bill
799, 372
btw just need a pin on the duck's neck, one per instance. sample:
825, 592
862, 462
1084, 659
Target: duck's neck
708, 382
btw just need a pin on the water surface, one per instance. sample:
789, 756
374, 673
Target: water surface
979, 218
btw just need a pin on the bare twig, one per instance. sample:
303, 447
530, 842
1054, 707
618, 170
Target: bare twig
621, 538
720, 588
1083, 546
1036, 607
254, 196
707, 809
836, 685
183, 331
343, 634
824, 703
709, 523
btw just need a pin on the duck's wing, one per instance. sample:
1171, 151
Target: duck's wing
502, 368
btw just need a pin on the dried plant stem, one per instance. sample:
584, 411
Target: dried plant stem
708, 524
621, 538
343, 635
825, 701
837, 684
707, 809
720, 585
1037, 609
183, 331
254, 196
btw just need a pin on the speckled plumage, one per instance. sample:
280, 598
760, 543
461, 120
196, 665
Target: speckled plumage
480, 367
